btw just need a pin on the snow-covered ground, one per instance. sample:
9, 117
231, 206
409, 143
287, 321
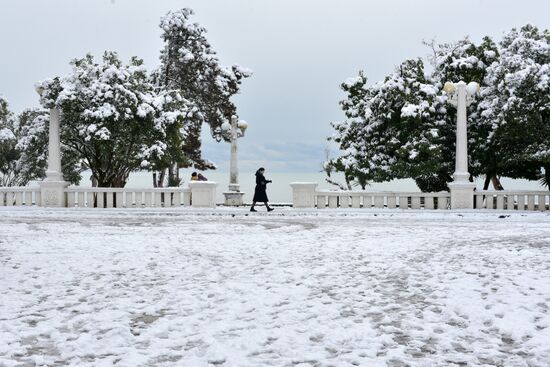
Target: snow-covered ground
292, 288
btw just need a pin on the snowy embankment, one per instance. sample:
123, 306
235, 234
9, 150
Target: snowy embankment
318, 288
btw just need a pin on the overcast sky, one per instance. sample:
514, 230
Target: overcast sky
300, 51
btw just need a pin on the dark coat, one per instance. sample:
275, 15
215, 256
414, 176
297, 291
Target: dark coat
259, 193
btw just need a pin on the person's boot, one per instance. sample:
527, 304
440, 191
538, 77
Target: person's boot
252, 209
270, 209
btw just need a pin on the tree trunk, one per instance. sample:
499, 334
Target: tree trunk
173, 174
155, 179
487, 182
330, 181
119, 181
348, 184
547, 175
170, 174
160, 182
496, 183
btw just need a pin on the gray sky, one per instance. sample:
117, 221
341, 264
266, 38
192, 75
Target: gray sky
300, 51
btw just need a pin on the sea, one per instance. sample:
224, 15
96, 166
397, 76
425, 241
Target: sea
280, 192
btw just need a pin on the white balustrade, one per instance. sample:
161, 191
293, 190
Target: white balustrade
520, 202
512, 200
321, 201
497, 200
403, 202
390, 200
429, 202
378, 201
103, 197
19, 196
443, 201
367, 201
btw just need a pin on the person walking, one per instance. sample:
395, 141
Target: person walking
260, 196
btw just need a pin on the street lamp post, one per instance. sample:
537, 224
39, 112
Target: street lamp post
235, 130
460, 96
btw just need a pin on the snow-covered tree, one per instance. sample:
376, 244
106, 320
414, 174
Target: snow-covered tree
404, 127
9, 155
32, 143
32, 128
392, 128
190, 65
348, 135
24, 148
516, 103
467, 61
114, 119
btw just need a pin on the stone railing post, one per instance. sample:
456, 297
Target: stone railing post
203, 194
53, 187
303, 194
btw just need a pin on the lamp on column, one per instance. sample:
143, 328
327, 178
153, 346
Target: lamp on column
235, 130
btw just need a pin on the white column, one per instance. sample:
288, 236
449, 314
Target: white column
234, 197
233, 168
53, 187
461, 164
53, 173
462, 190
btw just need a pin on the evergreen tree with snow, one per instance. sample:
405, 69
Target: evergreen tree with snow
348, 135
467, 61
190, 65
392, 128
24, 148
404, 127
516, 104
114, 119
32, 145
9, 155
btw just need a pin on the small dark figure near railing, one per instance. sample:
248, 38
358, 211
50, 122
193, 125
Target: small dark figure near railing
198, 177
